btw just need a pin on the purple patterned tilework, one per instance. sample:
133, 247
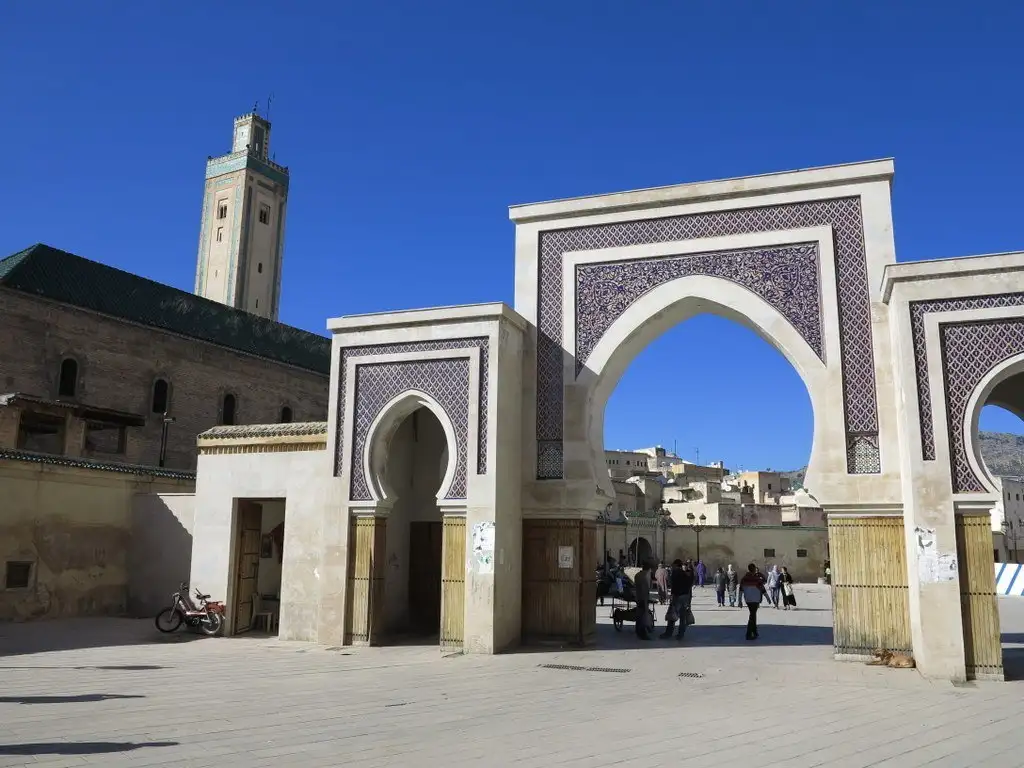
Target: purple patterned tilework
447, 381
918, 310
842, 214
970, 351
785, 276
431, 388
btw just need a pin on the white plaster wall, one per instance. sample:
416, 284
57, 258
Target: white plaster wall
161, 549
313, 572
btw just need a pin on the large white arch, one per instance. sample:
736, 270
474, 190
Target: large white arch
972, 413
381, 432
673, 303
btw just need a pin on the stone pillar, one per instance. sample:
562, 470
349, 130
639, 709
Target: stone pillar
10, 420
74, 436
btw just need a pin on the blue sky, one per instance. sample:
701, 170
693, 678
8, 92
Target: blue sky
409, 128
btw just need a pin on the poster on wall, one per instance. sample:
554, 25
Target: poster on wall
565, 557
483, 547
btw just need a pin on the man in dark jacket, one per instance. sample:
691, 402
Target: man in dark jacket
681, 584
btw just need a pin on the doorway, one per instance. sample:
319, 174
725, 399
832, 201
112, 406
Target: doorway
258, 565
425, 540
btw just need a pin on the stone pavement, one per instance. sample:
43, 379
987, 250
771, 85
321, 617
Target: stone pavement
114, 693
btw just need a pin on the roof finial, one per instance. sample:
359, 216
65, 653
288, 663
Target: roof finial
256, 108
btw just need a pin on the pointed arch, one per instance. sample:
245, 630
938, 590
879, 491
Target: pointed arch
382, 430
980, 397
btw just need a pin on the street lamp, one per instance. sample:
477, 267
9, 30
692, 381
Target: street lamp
663, 523
167, 421
696, 525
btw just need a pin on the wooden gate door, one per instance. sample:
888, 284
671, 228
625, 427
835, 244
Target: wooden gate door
453, 584
250, 522
364, 609
425, 576
979, 605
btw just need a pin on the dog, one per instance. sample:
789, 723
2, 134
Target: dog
892, 659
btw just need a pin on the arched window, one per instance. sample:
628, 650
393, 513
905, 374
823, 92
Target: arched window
286, 415
228, 411
161, 392
68, 378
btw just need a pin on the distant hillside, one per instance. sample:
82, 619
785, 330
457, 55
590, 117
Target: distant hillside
1003, 452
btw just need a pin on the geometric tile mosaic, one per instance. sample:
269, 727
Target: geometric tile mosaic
447, 381
429, 386
862, 455
843, 215
918, 310
786, 277
969, 352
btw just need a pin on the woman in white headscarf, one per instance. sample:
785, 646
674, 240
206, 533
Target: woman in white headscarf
732, 582
774, 585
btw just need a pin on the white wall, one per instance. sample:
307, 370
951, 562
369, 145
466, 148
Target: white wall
161, 549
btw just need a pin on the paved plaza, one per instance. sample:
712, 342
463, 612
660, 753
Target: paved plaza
114, 693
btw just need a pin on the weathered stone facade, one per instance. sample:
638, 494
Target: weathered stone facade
118, 363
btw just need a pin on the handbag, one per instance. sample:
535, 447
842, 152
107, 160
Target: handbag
670, 615
787, 589
690, 620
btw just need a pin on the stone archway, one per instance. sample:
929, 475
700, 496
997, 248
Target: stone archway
640, 552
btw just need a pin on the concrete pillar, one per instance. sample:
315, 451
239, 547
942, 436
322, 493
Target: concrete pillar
74, 436
10, 419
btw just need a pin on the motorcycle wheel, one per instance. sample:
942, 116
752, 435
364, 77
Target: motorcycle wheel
617, 622
210, 624
168, 620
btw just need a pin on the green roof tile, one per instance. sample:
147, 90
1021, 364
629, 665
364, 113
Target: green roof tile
64, 277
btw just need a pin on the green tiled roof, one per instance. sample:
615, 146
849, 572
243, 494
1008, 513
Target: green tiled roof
61, 276
290, 429
103, 466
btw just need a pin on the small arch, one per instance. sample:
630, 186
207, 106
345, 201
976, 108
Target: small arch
382, 430
640, 551
161, 396
67, 386
286, 415
991, 390
227, 413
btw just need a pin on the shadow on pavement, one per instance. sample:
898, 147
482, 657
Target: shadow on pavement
111, 667
80, 699
79, 748
47, 635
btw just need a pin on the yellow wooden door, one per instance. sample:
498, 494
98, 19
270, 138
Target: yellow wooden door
979, 606
453, 584
365, 601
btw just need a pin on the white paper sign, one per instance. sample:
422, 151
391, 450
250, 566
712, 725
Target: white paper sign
483, 547
565, 557
947, 568
927, 557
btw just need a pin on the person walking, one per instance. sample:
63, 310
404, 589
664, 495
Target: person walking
661, 581
752, 587
788, 596
702, 573
681, 581
720, 584
774, 585
642, 584
732, 581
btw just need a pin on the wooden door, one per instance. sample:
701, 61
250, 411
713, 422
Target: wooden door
425, 576
979, 605
250, 521
364, 610
453, 584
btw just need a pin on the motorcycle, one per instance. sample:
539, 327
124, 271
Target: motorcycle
208, 616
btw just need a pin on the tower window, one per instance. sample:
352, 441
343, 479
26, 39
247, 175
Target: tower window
220, 234
286, 415
161, 391
264, 214
222, 210
259, 267
68, 378
228, 411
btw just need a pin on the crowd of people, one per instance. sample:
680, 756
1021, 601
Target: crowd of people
676, 584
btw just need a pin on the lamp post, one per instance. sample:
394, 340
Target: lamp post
696, 525
167, 421
663, 524
606, 516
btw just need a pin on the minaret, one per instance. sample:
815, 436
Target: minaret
241, 241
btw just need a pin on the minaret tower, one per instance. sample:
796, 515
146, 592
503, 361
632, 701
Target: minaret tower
241, 241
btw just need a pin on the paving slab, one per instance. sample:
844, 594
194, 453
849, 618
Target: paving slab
113, 692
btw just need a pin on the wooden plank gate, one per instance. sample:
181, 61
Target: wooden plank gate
366, 563
453, 583
559, 596
979, 606
870, 596
247, 566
